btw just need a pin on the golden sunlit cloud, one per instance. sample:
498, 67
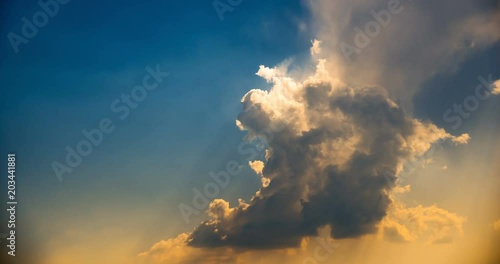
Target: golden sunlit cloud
496, 87
431, 224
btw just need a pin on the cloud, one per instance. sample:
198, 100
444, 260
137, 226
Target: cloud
463, 139
397, 57
257, 166
395, 232
330, 146
401, 189
496, 87
176, 251
431, 224
316, 47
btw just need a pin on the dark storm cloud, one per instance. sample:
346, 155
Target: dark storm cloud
326, 165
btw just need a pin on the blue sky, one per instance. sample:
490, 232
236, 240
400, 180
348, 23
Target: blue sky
65, 78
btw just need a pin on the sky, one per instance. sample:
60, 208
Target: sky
236, 131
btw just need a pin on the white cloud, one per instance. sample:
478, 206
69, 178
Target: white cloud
316, 47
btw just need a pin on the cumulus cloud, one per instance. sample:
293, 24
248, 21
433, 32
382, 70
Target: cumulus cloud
331, 147
431, 224
176, 251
